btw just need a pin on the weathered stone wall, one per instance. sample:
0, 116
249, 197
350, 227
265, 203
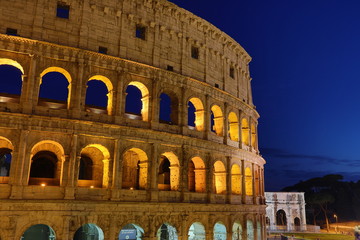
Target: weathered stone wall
71, 130
170, 34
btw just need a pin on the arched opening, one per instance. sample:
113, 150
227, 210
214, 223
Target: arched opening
297, 224
253, 136
137, 101
11, 76
219, 231
168, 173
196, 232
5, 164
236, 231
54, 88
99, 95
248, 182
257, 183
267, 221
131, 232
250, 230
245, 132
197, 175
219, 177
217, 120
43, 169
134, 169
94, 166
166, 232
39, 232
258, 230
196, 114
168, 108
281, 218
235, 179
233, 127
89, 231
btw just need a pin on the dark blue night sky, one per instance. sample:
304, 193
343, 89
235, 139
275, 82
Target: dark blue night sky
306, 81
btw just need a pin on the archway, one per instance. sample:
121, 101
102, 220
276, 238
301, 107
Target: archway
137, 101
134, 169
168, 111
217, 120
196, 175
196, 232
196, 114
6, 149
219, 231
99, 93
94, 166
39, 232
89, 231
233, 126
236, 231
11, 76
169, 172
236, 179
55, 88
245, 132
248, 182
166, 232
131, 232
297, 224
281, 219
219, 177
250, 230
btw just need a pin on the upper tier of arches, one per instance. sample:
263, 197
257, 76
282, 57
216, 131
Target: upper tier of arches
105, 95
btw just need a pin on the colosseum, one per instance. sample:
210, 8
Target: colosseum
128, 120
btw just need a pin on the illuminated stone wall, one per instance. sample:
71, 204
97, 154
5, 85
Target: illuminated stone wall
73, 164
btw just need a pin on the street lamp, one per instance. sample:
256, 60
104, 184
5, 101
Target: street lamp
336, 218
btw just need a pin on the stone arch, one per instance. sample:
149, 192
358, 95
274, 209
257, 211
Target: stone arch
109, 95
47, 159
248, 182
297, 224
245, 138
11, 73
6, 149
219, 177
169, 172
281, 219
87, 230
198, 112
45, 96
134, 169
258, 230
257, 182
233, 126
168, 107
94, 161
131, 231
145, 100
197, 175
217, 120
219, 231
250, 229
237, 231
196, 231
253, 136
166, 232
235, 179
39, 231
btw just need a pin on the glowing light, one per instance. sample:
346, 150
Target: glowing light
43, 184
91, 186
131, 188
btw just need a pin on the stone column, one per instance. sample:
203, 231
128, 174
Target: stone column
153, 172
225, 123
116, 174
27, 86
243, 186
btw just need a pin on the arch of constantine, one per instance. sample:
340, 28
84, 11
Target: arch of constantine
127, 119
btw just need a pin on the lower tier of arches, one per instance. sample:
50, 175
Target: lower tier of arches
83, 220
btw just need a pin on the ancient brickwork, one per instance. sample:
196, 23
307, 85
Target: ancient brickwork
73, 163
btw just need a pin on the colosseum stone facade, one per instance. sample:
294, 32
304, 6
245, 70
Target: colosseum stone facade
71, 169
